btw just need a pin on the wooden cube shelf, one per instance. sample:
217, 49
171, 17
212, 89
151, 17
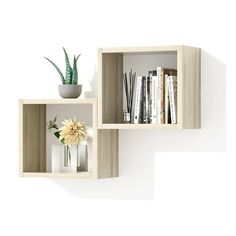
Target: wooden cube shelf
34, 143
113, 62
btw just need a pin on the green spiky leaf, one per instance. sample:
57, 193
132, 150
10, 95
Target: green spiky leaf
69, 71
75, 71
58, 70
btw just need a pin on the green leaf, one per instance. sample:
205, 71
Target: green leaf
58, 70
69, 72
75, 71
57, 134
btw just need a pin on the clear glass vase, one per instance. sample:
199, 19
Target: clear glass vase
76, 156
67, 155
69, 158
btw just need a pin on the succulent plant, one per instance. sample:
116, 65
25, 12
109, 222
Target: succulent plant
71, 75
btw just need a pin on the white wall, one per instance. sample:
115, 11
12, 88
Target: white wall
184, 180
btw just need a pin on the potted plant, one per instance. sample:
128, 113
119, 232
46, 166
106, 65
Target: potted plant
69, 87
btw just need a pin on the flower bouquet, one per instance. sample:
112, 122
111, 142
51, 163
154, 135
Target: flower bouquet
71, 134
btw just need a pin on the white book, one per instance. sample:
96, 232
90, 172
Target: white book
172, 84
137, 99
154, 99
166, 99
160, 95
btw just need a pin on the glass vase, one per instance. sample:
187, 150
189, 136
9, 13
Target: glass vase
76, 156
69, 158
82, 158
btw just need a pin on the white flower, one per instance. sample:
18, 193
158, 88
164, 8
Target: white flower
73, 132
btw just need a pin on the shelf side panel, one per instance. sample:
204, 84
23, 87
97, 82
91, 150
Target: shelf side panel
112, 87
108, 153
190, 106
34, 138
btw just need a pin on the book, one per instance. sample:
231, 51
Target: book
161, 71
160, 106
154, 97
172, 85
144, 99
150, 97
166, 99
137, 100
148, 101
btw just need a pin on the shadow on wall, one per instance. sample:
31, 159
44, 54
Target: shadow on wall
92, 93
139, 147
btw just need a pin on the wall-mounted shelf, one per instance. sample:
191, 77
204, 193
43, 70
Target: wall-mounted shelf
108, 119
35, 144
113, 62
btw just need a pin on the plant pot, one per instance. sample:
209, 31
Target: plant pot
70, 90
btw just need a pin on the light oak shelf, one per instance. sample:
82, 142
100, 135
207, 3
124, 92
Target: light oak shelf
138, 126
32, 151
79, 175
107, 111
112, 64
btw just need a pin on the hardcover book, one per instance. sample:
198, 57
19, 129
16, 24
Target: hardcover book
172, 84
154, 97
161, 92
137, 100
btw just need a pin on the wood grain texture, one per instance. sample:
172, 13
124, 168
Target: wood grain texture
110, 90
108, 153
34, 138
99, 118
20, 137
189, 88
95, 141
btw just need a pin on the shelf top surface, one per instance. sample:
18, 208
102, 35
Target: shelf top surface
171, 48
59, 101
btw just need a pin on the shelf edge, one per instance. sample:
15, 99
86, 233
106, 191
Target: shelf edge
81, 175
138, 126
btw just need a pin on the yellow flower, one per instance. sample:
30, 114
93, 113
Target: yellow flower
73, 131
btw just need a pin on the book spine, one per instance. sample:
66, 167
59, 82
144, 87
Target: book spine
144, 99
154, 99
166, 99
150, 99
133, 98
158, 89
172, 82
147, 100
160, 99
137, 100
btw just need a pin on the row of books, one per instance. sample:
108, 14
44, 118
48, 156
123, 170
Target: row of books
153, 98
